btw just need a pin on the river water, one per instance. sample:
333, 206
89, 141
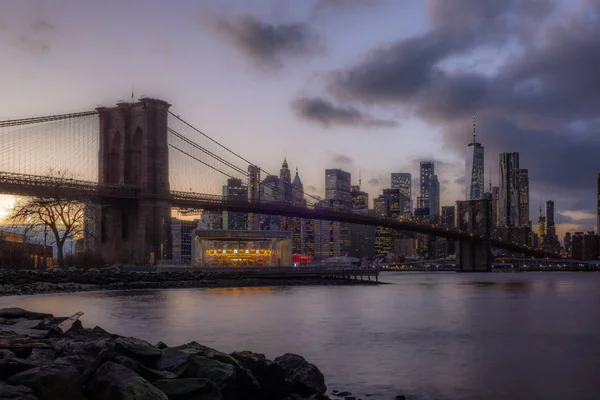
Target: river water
428, 335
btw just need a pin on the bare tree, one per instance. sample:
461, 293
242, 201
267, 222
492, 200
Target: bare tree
62, 216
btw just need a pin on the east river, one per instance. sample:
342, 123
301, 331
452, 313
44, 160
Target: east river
427, 336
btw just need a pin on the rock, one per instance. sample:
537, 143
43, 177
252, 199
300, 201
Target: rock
10, 392
189, 389
5, 353
3, 321
220, 373
70, 347
247, 385
270, 376
138, 349
127, 362
41, 356
72, 269
26, 327
12, 366
117, 382
54, 382
400, 397
14, 312
103, 357
174, 360
111, 270
306, 375
80, 362
161, 345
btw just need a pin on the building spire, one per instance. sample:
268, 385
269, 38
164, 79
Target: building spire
473, 128
359, 179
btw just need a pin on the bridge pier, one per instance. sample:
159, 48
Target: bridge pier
134, 154
475, 253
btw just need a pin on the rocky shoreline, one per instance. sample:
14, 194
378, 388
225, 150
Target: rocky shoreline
43, 357
58, 280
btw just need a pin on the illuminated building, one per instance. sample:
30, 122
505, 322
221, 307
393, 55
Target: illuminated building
360, 199
586, 246
434, 198
474, 169
17, 251
269, 192
568, 242
508, 207
403, 181
542, 225
235, 190
232, 248
384, 242
426, 175
362, 237
550, 241
331, 238
524, 198
421, 241
181, 232
253, 194
449, 216
337, 186
210, 220
495, 204
285, 183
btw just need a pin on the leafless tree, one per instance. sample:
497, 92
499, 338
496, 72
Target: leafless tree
62, 216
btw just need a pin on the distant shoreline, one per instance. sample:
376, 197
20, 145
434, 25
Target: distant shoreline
22, 283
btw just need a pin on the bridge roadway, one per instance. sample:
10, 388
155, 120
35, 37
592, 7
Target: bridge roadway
33, 185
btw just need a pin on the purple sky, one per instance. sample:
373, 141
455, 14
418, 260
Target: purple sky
369, 85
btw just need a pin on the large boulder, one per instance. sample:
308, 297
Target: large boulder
80, 362
270, 376
220, 373
138, 349
82, 346
189, 389
5, 353
12, 366
15, 312
10, 392
41, 356
52, 382
117, 382
174, 360
247, 385
305, 375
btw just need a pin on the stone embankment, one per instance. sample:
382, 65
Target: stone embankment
54, 280
43, 357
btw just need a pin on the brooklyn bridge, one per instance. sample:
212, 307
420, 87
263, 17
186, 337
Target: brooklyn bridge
134, 163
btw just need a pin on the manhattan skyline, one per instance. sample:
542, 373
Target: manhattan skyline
337, 84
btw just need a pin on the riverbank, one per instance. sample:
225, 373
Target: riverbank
56, 280
43, 357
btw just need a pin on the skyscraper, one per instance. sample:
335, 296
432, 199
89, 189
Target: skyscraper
550, 241
474, 169
449, 216
403, 181
598, 205
235, 190
337, 186
360, 199
434, 197
524, 198
253, 194
297, 190
426, 175
285, 177
508, 207
495, 204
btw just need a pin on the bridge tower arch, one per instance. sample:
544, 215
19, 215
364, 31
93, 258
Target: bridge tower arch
134, 152
474, 218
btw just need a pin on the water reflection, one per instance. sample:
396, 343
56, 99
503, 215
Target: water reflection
435, 336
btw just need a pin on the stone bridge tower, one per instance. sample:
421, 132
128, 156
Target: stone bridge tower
474, 217
134, 153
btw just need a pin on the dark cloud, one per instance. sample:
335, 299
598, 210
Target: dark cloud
311, 189
374, 182
341, 5
541, 99
343, 159
319, 110
33, 45
264, 43
41, 26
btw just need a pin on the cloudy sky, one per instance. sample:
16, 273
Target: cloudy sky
364, 85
